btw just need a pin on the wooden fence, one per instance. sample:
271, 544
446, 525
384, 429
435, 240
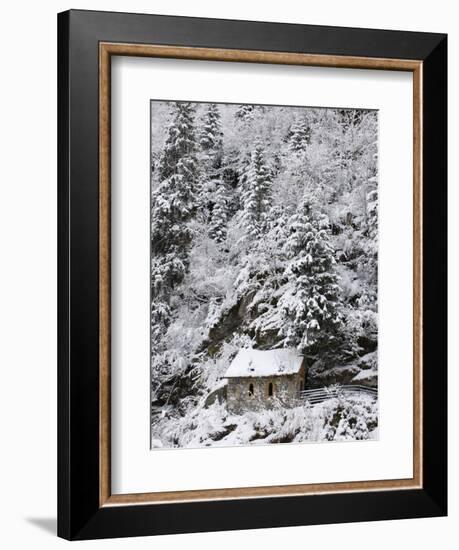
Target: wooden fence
319, 395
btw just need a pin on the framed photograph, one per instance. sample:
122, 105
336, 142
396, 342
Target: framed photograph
252, 274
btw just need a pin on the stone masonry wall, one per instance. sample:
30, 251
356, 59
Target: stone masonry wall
285, 392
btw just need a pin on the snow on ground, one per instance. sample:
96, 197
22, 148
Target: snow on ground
337, 419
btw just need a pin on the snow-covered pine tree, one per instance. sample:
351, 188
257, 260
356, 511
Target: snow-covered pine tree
160, 320
211, 136
245, 113
178, 156
173, 206
300, 135
256, 194
369, 259
211, 159
242, 164
265, 279
220, 212
372, 196
310, 302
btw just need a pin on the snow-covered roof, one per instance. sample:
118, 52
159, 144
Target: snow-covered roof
255, 363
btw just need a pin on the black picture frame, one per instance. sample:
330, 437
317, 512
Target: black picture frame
80, 515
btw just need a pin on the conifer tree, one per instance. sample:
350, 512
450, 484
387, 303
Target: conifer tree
220, 213
173, 206
300, 135
310, 302
244, 113
178, 157
369, 258
211, 158
211, 137
266, 277
256, 194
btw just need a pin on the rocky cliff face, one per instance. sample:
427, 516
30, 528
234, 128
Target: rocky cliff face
364, 371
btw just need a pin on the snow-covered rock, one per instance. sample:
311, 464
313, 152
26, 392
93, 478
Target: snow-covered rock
369, 361
367, 377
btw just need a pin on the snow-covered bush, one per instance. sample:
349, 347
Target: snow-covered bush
349, 419
338, 419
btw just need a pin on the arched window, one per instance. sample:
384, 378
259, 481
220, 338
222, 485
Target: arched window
270, 389
251, 389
